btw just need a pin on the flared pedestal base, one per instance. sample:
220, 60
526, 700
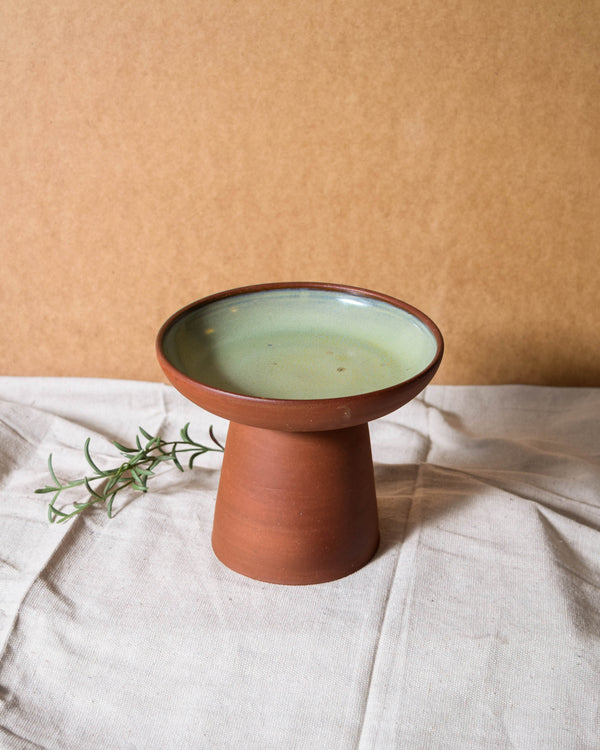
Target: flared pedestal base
296, 507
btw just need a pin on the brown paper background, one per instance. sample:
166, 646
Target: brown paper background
447, 153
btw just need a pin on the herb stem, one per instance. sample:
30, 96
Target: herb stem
140, 464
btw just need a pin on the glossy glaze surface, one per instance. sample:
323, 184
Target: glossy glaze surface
299, 343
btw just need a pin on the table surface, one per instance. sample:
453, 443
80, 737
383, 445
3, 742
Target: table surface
476, 625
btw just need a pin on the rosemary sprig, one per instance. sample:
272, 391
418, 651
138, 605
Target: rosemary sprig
134, 472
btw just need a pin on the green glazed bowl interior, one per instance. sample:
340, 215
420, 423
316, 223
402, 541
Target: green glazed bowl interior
298, 343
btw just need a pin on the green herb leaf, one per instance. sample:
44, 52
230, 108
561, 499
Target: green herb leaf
214, 439
194, 456
88, 487
88, 458
123, 448
147, 435
185, 435
51, 470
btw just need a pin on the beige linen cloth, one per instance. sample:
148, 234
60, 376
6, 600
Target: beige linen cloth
477, 625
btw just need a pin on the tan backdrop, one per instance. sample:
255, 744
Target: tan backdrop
447, 153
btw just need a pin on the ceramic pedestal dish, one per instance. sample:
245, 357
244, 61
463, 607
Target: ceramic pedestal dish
299, 369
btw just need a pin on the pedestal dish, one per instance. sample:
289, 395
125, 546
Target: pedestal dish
299, 369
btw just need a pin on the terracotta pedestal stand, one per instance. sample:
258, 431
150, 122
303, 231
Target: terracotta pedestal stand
296, 507
296, 501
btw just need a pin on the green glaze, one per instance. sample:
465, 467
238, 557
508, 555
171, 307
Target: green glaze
299, 344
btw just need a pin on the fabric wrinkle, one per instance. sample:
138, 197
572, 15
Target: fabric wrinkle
57, 550
408, 594
24, 743
574, 577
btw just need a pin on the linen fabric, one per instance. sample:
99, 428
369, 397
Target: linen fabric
476, 625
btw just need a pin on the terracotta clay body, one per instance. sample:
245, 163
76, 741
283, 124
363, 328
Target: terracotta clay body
296, 507
296, 502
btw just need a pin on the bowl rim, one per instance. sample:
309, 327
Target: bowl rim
170, 369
